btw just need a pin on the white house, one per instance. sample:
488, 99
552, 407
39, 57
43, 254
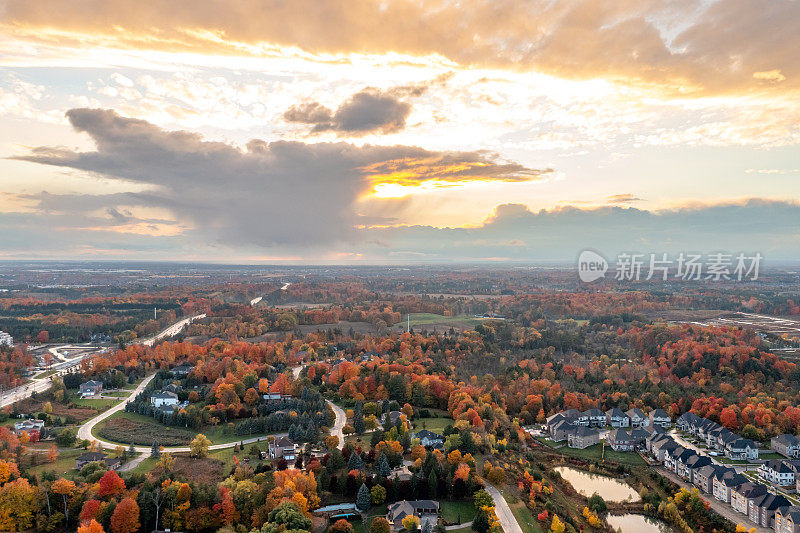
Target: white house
780, 472
616, 418
163, 398
637, 417
6, 339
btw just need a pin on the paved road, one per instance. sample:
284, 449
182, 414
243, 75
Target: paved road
722, 508
503, 511
42, 384
338, 424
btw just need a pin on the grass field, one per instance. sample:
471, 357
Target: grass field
595, 453
126, 428
101, 404
63, 466
456, 512
436, 425
431, 320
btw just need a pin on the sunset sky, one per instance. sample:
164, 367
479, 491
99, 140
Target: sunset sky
366, 131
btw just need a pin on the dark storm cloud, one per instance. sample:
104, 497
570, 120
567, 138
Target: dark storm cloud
279, 193
367, 111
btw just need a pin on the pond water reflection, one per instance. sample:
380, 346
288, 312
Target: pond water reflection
587, 484
636, 523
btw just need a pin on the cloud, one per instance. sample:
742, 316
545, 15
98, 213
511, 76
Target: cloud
687, 46
268, 194
368, 111
516, 233
625, 198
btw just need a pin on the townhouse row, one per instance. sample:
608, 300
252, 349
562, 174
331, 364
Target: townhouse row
717, 437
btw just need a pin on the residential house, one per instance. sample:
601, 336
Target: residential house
429, 439
112, 463
780, 472
704, 476
688, 468
561, 430
787, 519
620, 440
637, 418
282, 448
724, 485
583, 437
596, 418
90, 388
742, 495
29, 425
659, 417
687, 422
163, 398
182, 370
6, 339
402, 473
786, 445
762, 510
741, 449
662, 449
616, 418
425, 510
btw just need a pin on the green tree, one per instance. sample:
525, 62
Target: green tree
433, 483
288, 515
377, 494
199, 446
364, 499
597, 504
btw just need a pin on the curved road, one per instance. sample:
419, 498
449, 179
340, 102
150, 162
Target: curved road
85, 431
503, 511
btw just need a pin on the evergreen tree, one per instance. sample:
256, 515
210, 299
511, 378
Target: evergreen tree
363, 500
155, 451
355, 462
433, 484
383, 466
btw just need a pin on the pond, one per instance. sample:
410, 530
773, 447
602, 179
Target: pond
587, 484
637, 523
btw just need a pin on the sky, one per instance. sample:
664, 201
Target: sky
339, 131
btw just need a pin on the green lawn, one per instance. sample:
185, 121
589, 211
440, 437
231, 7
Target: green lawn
436, 425
101, 404
595, 453
64, 465
456, 512
425, 319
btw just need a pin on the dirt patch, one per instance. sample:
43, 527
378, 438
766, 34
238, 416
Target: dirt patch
141, 433
77, 413
206, 470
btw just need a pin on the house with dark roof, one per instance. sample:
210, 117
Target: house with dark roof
616, 418
690, 465
620, 440
595, 418
762, 510
182, 370
661, 449
90, 388
741, 449
742, 495
112, 463
787, 519
282, 448
429, 439
637, 417
780, 472
424, 510
561, 430
583, 437
786, 445
687, 422
659, 417
703, 477
725, 483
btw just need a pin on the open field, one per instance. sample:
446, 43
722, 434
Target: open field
457, 512
595, 453
436, 425
211, 469
64, 465
431, 321
132, 428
